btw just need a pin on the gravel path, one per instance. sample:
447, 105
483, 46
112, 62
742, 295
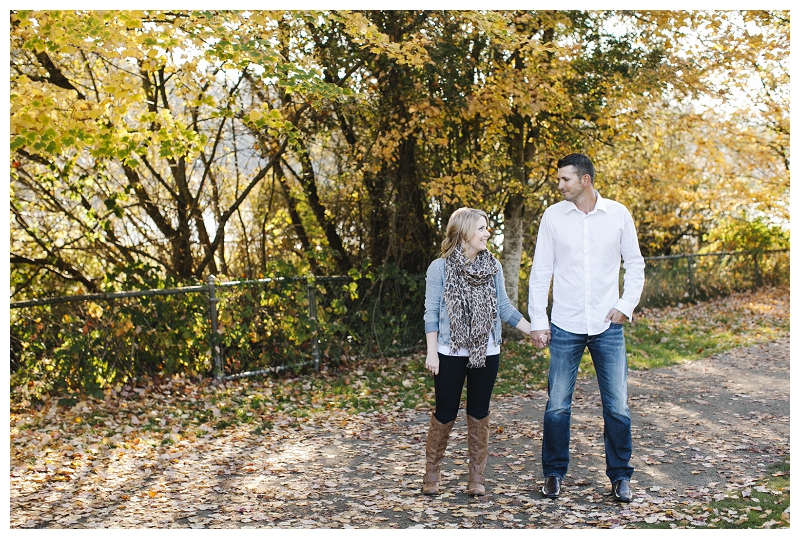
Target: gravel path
701, 430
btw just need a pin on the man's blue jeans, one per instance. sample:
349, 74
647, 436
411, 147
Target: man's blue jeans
610, 362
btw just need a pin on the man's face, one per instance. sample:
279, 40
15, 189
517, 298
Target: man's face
570, 184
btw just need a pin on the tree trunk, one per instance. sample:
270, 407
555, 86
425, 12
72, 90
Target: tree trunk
377, 216
513, 227
412, 237
513, 212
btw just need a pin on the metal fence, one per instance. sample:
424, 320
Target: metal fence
270, 325
241, 328
697, 277
230, 329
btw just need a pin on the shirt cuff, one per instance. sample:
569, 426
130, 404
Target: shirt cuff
625, 308
431, 326
539, 324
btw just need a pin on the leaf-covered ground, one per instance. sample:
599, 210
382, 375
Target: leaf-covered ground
188, 455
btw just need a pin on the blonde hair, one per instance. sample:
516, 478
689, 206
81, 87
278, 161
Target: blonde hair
460, 228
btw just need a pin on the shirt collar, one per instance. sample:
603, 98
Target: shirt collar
600, 204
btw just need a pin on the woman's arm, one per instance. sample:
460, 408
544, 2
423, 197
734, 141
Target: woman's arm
524, 326
432, 357
434, 288
507, 312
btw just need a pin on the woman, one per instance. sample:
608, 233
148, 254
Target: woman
465, 300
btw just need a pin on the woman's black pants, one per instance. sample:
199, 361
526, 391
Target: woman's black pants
450, 381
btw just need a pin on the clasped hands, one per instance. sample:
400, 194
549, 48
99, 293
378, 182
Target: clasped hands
541, 337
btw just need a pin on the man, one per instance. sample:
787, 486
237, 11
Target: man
580, 243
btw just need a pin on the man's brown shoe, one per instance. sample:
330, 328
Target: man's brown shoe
552, 487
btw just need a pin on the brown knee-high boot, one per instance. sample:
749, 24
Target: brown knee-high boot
438, 434
478, 452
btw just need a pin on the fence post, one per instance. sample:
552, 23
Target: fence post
689, 272
312, 315
757, 277
212, 307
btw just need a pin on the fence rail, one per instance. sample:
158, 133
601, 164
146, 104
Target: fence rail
234, 329
696, 277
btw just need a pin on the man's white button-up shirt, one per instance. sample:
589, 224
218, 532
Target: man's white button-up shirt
581, 253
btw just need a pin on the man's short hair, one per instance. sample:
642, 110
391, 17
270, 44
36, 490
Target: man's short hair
583, 165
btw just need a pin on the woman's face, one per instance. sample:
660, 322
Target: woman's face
480, 236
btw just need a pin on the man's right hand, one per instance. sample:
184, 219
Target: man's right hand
540, 338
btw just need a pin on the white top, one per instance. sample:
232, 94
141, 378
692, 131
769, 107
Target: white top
584, 251
491, 349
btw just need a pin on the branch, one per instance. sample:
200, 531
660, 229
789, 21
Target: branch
55, 75
208, 160
230, 211
158, 177
297, 222
309, 183
147, 204
71, 273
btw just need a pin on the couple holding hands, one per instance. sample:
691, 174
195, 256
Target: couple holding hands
580, 243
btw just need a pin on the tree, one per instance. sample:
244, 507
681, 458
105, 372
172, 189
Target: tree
121, 124
552, 83
175, 144
687, 166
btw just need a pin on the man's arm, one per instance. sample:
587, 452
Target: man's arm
539, 284
634, 270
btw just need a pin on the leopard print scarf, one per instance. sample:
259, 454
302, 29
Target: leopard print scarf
471, 300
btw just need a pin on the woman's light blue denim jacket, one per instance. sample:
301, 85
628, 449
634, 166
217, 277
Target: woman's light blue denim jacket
436, 318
